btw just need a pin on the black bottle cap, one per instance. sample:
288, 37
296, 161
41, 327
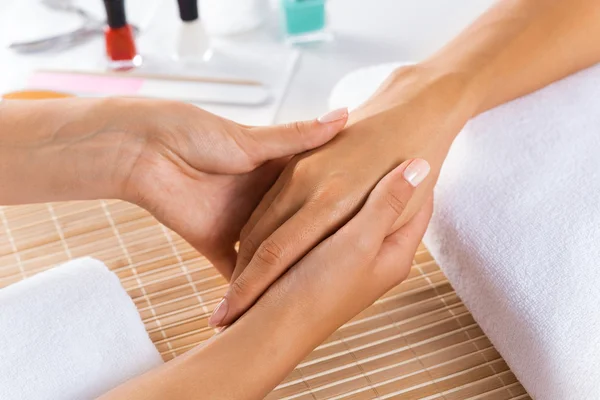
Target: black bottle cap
115, 13
188, 10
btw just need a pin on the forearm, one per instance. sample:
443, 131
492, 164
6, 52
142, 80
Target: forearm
519, 46
334, 282
62, 150
245, 362
252, 356
298, 312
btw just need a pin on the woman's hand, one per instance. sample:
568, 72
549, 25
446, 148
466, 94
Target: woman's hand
334, 282
202, 175
415, 114
199, 174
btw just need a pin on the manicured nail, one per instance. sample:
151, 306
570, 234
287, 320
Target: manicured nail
219, 314
334, 115
416, 171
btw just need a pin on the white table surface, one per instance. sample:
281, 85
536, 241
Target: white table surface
372, 32
367, 32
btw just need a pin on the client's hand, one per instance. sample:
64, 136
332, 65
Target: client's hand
414, 114
338, 279
202, 175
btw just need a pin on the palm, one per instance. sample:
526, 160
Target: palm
208, 210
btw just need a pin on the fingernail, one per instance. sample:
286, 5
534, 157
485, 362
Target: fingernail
334, 115
416, 171
218, 314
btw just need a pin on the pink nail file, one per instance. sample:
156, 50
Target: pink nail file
110, 85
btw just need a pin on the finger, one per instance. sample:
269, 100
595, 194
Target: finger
261, 209
267, 143
248, 251
248, 246
294, 232
385, 204
218, 245
395, 256
275, 253
331, 272
320, 293
337, 268
249, 243
280, 210
278, 252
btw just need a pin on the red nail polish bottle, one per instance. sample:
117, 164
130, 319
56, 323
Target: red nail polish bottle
120, 44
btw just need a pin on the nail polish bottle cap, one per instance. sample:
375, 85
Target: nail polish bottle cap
115, 13
188, 10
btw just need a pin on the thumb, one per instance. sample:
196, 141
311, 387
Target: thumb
271, 142
397, 251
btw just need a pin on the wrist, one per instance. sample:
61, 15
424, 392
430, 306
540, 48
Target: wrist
426, 105
451, 89
475, 71
58, 150
117, 137
98, 148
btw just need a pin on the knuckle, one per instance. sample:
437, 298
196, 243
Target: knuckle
244, 234
247, 250
360, 245
338, 180
270, 253
245, 257
297, 127
365, 245
299, 170
322, 198
249, 245
396, 202
331, 192
339, 209
337, 201
240, 287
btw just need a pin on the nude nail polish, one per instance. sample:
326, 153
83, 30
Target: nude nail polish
219, 313
416, 171
334, 115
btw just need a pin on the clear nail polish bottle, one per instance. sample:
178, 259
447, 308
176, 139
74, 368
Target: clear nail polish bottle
305, 21
193, 43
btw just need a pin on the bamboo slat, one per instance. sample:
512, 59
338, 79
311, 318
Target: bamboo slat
417, 342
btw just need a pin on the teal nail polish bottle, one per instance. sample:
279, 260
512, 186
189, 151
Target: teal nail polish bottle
305, 20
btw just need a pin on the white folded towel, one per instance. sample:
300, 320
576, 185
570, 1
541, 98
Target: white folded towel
70, 333
516, 229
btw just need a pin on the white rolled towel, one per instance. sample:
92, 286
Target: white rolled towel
516, 228
71, 332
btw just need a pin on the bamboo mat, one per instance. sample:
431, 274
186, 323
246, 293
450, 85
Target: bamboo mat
417, 342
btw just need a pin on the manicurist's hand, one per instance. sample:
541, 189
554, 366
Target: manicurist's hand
202, 175
338, 279
416, 113
199, 174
